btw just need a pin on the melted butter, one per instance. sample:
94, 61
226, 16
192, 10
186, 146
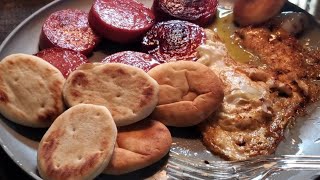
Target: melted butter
225, 29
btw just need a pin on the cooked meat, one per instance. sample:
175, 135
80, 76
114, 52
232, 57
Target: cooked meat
260, 100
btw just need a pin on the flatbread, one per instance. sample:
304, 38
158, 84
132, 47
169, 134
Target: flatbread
189, 93
139, 145
78, 145
128, 92
30, 90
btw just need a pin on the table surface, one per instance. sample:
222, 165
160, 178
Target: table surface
12, 12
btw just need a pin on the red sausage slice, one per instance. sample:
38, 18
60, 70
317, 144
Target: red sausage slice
64, 59
68, 29
174, 40
200, 12
121, 21
137, 59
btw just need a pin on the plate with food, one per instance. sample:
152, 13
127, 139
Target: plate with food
115, 89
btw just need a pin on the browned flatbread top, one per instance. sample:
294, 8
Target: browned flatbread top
139, 145
128, 92
78, 145
30, 90
189, 93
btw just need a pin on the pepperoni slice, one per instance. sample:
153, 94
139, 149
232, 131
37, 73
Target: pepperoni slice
68, 29
63, 59
200, 12
121, 21
141, 60
174, 40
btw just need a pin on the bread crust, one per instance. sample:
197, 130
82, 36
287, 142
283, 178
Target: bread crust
189, 93
139, 145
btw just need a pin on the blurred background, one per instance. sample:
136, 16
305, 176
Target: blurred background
312, 6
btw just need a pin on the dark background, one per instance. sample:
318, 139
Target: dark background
12, 12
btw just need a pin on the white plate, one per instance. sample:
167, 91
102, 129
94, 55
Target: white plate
21, 143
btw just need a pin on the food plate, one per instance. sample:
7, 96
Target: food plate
21, 143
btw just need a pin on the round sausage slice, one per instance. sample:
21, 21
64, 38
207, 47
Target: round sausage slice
68, 29
200, 12
173, 40
121, 21
140, 60
63, 59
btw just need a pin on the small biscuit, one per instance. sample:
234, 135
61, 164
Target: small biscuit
128, 92
30, 90
78, 145
189, 93
139, 145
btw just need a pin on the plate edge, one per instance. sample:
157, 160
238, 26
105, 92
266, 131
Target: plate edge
3, 44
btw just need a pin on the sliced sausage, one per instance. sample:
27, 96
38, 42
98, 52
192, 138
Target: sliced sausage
63, 59
68, 29
121, 21
141, 60
200, 12
173, 40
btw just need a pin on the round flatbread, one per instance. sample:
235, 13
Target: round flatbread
78, 145
128, 92
30, 90
189, 93
139, 145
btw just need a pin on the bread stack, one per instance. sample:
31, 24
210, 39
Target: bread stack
116, 113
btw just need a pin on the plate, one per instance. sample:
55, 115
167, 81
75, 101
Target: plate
20, 143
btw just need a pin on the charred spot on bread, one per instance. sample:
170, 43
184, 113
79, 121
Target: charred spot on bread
65, 171
74, 93
148, 93
121, 71
47, 116
80, 79
50, 145
3, 97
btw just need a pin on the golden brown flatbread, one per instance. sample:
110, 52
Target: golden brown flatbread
128, 92
139, 145
189, 93
78, 145
30, 90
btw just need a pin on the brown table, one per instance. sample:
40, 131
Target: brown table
12, 12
